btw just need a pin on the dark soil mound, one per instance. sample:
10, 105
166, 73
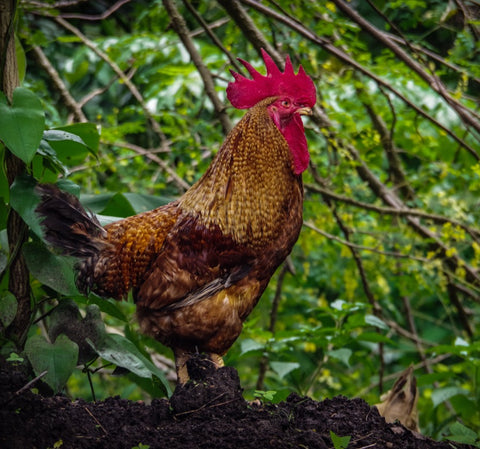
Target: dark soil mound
208, 412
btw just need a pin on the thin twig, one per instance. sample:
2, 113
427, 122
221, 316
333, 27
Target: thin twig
26, 387
180, 27
60, 86
474, 233
133, 89
468, 116
95, 419
341, 55
208, 405
212, 36
97, 17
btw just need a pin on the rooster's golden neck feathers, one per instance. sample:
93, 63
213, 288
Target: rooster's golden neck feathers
244, 189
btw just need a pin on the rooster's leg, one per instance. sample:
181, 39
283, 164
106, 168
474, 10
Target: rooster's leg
181, 358
217, 360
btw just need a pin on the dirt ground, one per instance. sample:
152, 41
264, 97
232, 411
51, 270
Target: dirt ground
208, 412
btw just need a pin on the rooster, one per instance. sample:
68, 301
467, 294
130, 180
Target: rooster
198, 266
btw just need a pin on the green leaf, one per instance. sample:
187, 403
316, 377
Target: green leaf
87, 132
22, 123
374, 337
73, 143
462, 434
58, 359
248, 345
375, 321
143, 203
122, 352
55, 271
108, 306
8, 308
49, 160
440, 395
284, 368
119, 206
342, 354
113, 205
339, 442
24, 200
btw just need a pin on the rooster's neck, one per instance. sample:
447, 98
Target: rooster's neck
250, 184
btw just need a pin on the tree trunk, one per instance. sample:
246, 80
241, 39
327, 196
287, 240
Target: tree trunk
19, 284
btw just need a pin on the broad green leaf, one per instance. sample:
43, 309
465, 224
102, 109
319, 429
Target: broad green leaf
4, 186
108, 306
284, 368
113, 205
24, 200
342, 354
97, 203
375, 321
55, 271
57, 135
248, 345
440, 395
69, 186
462, 434
122, 352
22, 123
87, 132
46, 158
340, 442
119, 206
73, 143
142, 203
58, 359
374, 337
8, 308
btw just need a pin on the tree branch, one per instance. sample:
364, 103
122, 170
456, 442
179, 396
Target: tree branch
474, 233
59, 84
469, 117
342, 56
212, 36
133, 89
17, 231
180, 27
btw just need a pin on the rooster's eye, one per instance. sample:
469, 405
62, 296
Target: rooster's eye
286, 103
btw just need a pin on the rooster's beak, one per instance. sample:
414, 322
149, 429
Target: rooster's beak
304, 111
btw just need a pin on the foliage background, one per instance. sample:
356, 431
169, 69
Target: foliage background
385, 273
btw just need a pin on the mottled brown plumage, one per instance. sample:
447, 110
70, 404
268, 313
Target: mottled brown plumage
199, 265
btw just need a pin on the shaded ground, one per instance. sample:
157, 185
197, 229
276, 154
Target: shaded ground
209, 412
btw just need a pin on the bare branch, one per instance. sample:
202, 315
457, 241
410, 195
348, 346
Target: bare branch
180, 27
59, 84
354, 246
474, 233
212, 36
133, 89
98, 17
341, 55
468, 116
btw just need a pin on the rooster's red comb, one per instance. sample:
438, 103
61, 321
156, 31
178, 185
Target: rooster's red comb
245, 93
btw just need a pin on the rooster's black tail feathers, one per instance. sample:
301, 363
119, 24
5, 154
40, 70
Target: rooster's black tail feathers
67, 225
